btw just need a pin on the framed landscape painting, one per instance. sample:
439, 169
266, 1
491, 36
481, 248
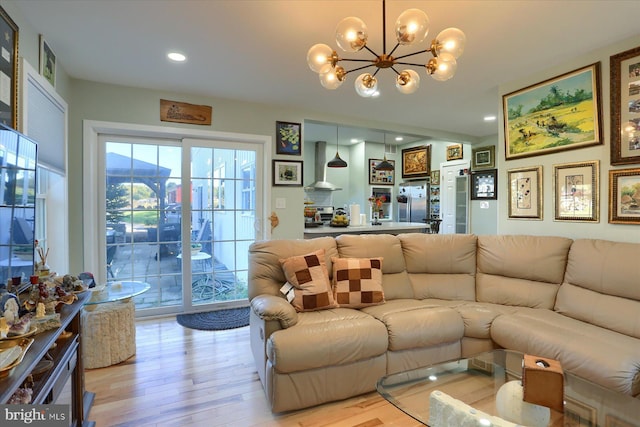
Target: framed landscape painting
624, 196
561, 113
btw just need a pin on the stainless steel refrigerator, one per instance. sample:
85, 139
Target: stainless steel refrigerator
413, 201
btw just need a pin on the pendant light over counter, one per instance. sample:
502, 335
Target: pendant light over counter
337, 162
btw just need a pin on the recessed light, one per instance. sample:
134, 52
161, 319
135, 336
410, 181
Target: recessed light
399, 138
489, 118
176, 56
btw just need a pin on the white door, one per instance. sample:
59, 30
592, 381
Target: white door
448, 173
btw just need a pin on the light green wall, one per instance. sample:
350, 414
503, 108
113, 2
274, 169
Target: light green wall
602, 229
111, 103
483, 214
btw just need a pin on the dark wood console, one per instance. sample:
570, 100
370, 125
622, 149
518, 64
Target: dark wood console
67, 366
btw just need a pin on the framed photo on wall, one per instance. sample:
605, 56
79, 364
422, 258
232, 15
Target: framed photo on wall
416, 162
576, 191
9, 67
47, 62
625, 107
378, 177
454, 152
289, 138
287, 173
525, 193
484, 185
483, 158
624, 196
435, 177
560, 113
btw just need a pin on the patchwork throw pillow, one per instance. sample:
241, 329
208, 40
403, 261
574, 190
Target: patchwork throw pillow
309, 277
357, 282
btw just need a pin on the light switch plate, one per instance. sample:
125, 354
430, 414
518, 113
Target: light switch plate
281, 203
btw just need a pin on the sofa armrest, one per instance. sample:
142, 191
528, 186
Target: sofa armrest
270, 307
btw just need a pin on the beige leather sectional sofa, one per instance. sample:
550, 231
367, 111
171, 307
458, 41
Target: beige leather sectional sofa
446, 297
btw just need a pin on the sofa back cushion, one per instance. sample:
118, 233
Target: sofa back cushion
520, 270
266, 275
441, 266
602, 285
394, 272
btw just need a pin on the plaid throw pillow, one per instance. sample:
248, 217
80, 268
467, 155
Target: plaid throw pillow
357, 282
309, 277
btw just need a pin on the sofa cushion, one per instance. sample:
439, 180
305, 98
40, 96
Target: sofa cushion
326, 338
441, 265
394, 279
478, 317
357, 282
412, 324
601, 285
591, 352
265, 275
520, 270
310, 280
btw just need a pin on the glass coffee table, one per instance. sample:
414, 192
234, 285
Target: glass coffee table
476, 381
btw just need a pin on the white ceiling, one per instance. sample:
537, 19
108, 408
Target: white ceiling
255, 50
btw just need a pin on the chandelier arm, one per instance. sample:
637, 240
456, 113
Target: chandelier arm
394, 69
408, 63
359, 68
394, 49
414, 53
384, 28
372, 52
372, 61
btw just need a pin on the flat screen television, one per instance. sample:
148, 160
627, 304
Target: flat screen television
18, 161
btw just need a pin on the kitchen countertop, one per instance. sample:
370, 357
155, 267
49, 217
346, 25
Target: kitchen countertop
387, 227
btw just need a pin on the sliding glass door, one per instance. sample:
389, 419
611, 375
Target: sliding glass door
180, 215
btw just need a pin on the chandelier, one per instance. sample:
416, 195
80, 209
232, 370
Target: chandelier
411, 28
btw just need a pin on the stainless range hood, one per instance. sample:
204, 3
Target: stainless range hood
320, 183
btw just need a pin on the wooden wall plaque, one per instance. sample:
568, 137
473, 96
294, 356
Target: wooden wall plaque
181, 112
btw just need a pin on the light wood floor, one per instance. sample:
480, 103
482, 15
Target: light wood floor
182, 377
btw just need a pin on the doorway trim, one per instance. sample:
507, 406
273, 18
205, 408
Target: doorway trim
92, 252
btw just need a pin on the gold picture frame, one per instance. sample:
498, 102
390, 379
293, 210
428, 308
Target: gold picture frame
576, 191
561, 113
454, 152
416, 162
625, 107
624, 196
483, 157
525, 193
9, 44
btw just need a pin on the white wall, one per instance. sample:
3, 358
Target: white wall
602, 229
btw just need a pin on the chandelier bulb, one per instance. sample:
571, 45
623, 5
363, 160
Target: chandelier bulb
319, 57
450, 40
351, 34
366, 85
412, 27
407, 82
333, 78
443, 67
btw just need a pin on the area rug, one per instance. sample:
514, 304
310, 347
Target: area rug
216, 320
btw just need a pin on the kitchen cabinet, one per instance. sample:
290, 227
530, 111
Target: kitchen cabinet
63, 346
